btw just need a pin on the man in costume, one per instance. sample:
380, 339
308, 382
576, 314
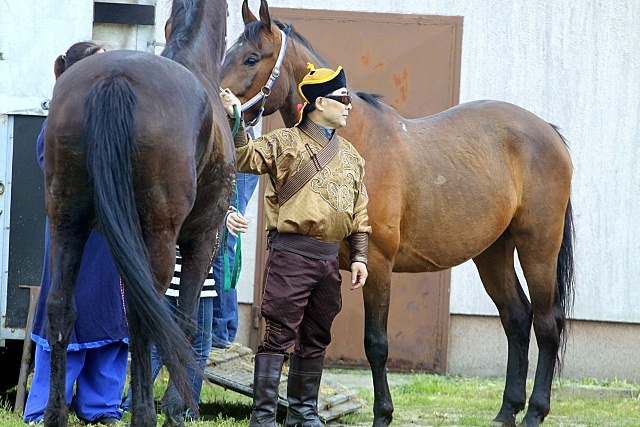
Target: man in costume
317, 199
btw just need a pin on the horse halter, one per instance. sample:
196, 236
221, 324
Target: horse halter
265, 91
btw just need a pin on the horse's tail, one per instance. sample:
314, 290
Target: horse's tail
110, 143
565, 269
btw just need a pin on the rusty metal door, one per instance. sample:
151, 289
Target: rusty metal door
414, 62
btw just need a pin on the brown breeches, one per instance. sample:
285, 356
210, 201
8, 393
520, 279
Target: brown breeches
300, 300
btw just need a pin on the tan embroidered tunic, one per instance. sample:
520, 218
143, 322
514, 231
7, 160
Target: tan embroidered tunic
331, 206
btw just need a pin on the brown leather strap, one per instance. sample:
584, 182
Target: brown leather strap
313, 166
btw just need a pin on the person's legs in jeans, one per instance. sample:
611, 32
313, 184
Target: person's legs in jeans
225, 307
201, 349
101, 381
247, 184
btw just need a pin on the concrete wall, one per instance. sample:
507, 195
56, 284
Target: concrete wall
32, 34
600, 350
119, 36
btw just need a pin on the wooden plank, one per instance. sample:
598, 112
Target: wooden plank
233, 369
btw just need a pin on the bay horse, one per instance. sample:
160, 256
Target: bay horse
477, 181
139, 146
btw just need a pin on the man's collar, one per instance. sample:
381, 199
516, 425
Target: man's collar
313, 130
327, 132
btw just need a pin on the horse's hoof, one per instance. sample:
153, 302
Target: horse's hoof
496, 423
531, 420
57, 420
381, 422
173, 422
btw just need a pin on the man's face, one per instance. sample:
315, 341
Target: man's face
335, 108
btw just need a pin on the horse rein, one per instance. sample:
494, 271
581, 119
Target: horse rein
265, 91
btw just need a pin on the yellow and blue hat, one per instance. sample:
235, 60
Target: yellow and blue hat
320, 82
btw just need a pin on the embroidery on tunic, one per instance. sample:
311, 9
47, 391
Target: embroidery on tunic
336, 183
284, 140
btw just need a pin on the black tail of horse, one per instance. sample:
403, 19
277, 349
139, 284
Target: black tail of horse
110, 143
565, 269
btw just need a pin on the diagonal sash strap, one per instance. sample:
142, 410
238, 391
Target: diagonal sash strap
313, 166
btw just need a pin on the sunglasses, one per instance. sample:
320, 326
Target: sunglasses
343, 99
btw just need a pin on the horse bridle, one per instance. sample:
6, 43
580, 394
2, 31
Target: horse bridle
265, 91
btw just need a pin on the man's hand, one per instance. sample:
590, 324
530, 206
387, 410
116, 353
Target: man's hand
228, 101
359, 274
236, 223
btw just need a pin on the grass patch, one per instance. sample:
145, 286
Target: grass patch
428, 400
449, 400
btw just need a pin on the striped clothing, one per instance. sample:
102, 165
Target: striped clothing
207, 289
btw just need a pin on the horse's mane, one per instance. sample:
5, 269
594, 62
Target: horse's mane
251, 34
185, 23
371, 98
288, 28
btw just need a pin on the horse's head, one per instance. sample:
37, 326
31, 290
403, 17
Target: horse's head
263, 66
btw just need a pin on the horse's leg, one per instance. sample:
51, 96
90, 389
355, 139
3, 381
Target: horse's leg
142, 403
161, 264
538, 251
67, 246
496, 268
196, 262
377, 295
160, 243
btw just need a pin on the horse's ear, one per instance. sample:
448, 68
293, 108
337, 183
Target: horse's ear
167, 29
247, 15
265, 18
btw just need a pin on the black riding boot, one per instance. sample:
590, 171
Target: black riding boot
266, 379
302, 391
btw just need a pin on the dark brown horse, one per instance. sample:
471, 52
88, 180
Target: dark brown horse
477, 181
139, 146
